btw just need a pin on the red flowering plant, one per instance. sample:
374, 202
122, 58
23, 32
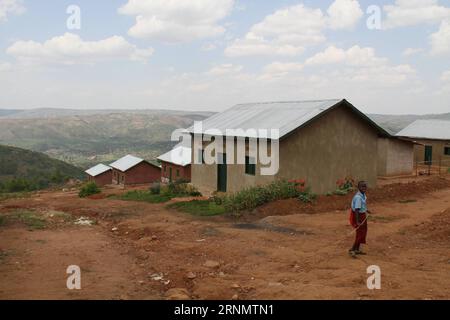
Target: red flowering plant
300, 184
304, 193
345, 185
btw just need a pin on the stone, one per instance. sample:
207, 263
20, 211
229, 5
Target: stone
191, 275
235, 297
177, 294
211, 264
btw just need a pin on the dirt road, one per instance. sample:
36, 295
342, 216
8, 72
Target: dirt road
145, 251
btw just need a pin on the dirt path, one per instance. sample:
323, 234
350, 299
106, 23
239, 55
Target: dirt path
287, 256
34, 265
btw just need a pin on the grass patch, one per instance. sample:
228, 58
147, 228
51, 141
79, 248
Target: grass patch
202, 208
145, 196
30, 219
407, 201
15, 195
2, 220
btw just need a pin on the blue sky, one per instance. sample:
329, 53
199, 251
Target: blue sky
212, 54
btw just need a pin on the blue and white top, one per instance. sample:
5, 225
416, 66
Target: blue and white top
359, 202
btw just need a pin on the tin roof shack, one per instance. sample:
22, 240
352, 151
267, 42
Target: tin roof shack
433, 141
131, 170
395, 157
100, 174
320, 141
176, 164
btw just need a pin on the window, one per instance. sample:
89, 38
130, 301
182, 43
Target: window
250, 166
178, 172
447, 151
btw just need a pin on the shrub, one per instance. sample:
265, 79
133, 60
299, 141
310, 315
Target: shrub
307, 196
176, 189
345, 186
88, 189
253, 197
155, 188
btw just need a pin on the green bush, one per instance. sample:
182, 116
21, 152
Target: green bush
306, 196
180, 189
89, 189
253, 197
344, 186
155, 188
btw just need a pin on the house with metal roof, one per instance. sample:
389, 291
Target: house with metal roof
131, 170
100, 174
433, 141
176, 164
320, 141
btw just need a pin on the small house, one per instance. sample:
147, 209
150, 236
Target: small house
433, 141
320, 141
100, 174
176, 164
131, 170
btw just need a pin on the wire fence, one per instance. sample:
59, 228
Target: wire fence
435, 167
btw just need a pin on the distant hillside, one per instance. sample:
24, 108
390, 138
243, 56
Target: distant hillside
22, 169
395, 123
84, 138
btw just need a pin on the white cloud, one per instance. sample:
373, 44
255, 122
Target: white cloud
440, 41
209, 47
280, 68
285, 32
224, 69
412, 51
5, 66
177, 20
289, 31
445, 77
8, 7
344, 14
355, 56
413, 12
71, 49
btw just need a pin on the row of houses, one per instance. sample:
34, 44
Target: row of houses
320, 141
131, 170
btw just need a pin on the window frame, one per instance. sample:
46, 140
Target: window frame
250, 169
446, 150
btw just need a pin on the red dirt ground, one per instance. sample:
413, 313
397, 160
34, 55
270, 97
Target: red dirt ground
285, 250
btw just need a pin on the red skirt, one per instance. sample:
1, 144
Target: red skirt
361, 231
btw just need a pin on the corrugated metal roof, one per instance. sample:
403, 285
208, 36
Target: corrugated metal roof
97, 170
179, 155
284, 116
126, 163
427, 129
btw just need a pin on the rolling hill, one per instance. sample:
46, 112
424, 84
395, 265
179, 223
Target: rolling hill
87, 137
25, 170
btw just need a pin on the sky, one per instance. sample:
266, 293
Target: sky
390, 56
